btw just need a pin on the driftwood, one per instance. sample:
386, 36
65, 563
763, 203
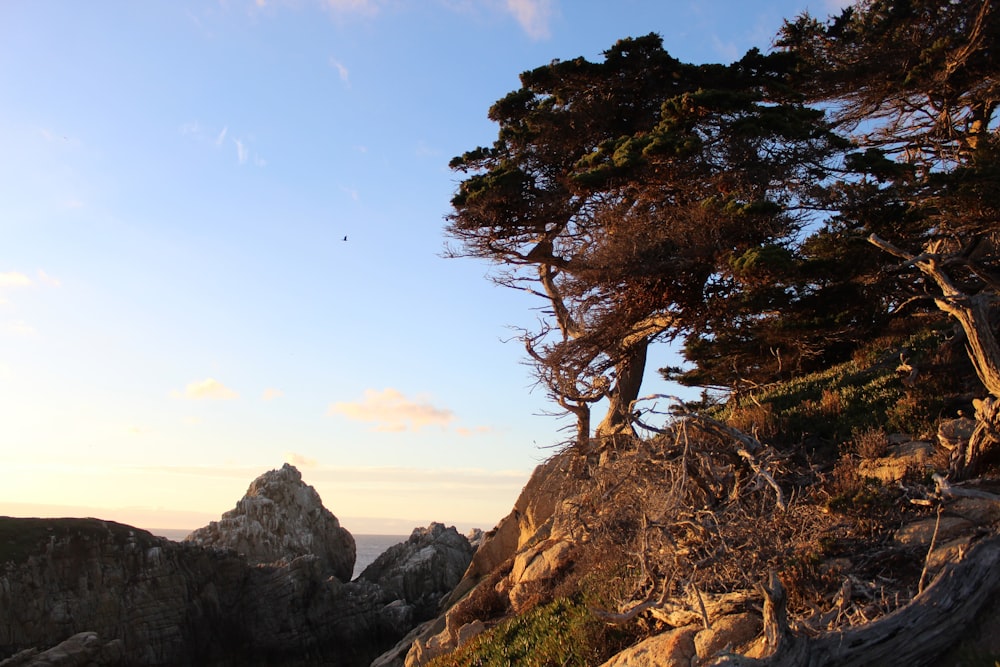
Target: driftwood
917, 634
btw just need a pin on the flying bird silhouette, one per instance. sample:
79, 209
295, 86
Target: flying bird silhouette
345, 238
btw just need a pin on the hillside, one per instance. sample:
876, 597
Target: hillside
831, 538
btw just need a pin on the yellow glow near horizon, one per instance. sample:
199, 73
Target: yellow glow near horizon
366, 500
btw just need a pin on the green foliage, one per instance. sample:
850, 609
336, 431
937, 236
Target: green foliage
837, 403
563, 632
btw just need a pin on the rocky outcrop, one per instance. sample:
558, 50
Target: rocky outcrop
85, 591
168, 603
281, 518
85, 648
423, 569
530, 545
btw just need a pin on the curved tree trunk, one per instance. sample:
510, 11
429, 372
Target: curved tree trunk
629, 372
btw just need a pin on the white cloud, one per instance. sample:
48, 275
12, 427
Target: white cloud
270, 394
14, 279
221, 136
390, 410
533, 15
207, 389
345, 75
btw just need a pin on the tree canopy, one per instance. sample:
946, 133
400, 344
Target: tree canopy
729, 206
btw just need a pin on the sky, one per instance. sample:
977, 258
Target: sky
179, 308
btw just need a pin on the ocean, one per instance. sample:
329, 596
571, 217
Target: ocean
369, 547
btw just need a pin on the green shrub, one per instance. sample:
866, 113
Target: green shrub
563, 632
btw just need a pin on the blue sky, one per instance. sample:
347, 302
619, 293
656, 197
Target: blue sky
179, 311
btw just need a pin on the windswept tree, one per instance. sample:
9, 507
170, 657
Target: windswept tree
622, 192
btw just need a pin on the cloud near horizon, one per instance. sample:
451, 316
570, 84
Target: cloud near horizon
208, 389
390, 410
271, 393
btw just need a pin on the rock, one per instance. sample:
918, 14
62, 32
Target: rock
83, 648
423, 569
954, 432
281, 518
950, 551
980, 511
470, 630
535, 567
734, 630
153, 601
674, 648
475, 537
901, 459
920, 533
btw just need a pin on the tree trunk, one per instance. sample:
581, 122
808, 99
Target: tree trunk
617, 423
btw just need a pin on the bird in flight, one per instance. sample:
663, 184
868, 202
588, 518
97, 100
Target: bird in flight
345, 238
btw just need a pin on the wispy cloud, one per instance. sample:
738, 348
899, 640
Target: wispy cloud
208, 389
533, 16
270, 394
218, 138
48, 280
363, 7
342, 70
390, 410
241, 151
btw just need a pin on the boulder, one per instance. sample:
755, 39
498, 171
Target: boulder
279, 519
674, 648
732, 631
901, 459
920, 533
